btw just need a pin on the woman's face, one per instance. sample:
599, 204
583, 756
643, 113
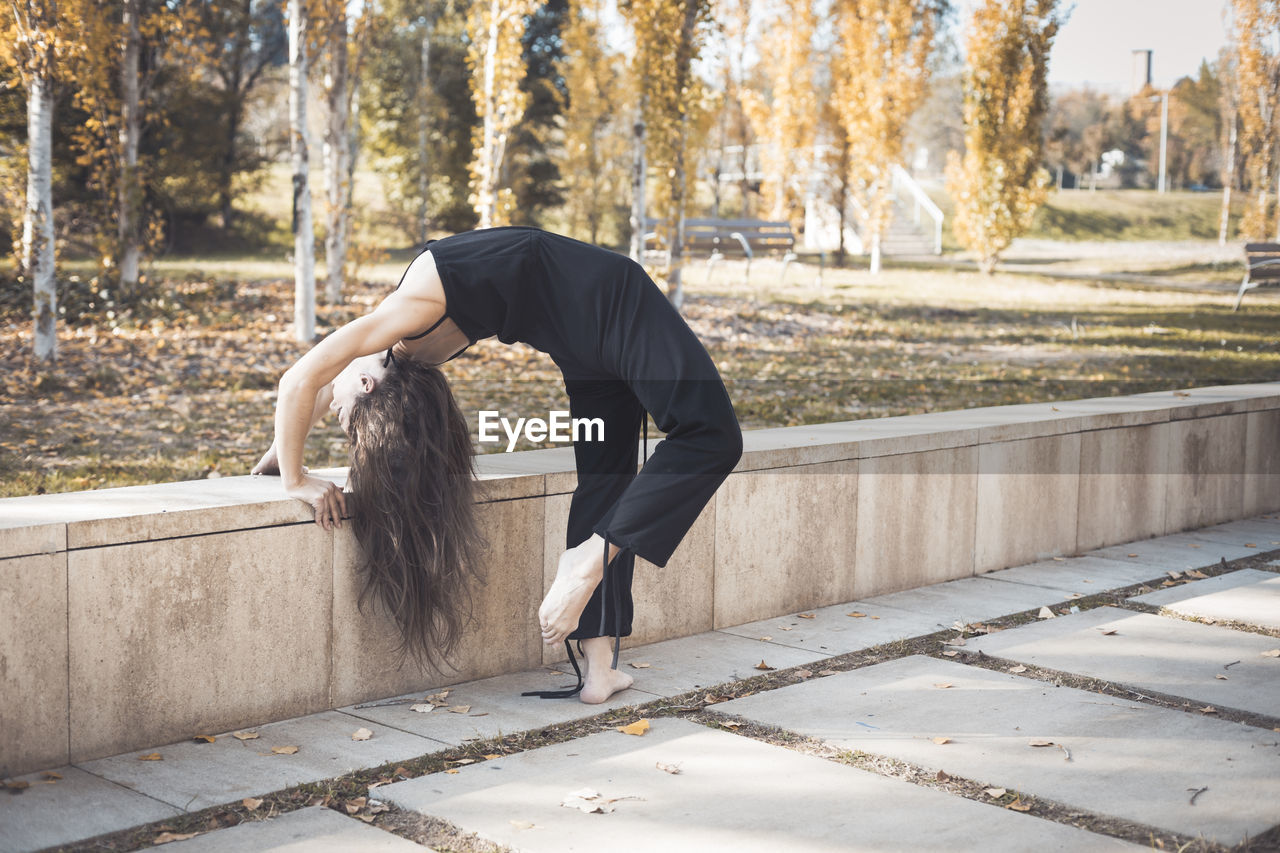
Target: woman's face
359, 377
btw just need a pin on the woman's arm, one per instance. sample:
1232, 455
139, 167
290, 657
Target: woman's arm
268, 463
402, 313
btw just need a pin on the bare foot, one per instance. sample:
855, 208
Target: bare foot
577, 576
600, 680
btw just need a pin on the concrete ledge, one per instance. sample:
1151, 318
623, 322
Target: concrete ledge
164, 611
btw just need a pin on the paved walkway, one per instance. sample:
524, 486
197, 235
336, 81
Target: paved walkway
1019, 710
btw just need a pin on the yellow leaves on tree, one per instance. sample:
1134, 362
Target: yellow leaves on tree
879, 75
999, 183
1255, 26
787, 125
594, 138
495, 30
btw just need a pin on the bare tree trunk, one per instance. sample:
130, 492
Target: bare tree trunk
37, 221
424, 161
129, 190
304, 273
337, 154
637, 186
489, 164
675, 274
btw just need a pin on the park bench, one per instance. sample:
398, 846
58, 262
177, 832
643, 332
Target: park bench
747, 238
1263, 267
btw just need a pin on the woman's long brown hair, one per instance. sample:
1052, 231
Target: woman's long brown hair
413, 479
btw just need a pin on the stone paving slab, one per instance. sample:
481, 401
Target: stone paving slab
193, 776
967, 600
731, 793
1078, 576
832, 631
79, 805
496, 707
1127, 760
1248, 596
1263, 532
1148, 652
311, 830
1177, 553
703, 660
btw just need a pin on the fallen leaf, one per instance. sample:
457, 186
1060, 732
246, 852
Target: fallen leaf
1018, 668
422, 708
997, 793
1220, 677
958, 641
637, 728
763, 665
367, 818
1199, 575
50, 776
807, 615
438, 698
251, 803
523, 824
361, 734
1045, 613
451, 771
1107, 632
284, 750
1251, 544
785, 628
1133, 555
354, 805
588, 802
943, 685
166, 837
875, 617
464, 761
673, 769
245, 735
1018, 806
1271, 653
459, 709
856, 615
941, 740
492, 756
400, 771
1208, 709
942, 776
1174, 575
638, 665
825, 672
803, 673
151, 756
204, 738
730, 724
950, 654
712, 699
765, 639
15, 787
1041, 743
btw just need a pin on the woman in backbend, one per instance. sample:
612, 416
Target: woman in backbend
623, 350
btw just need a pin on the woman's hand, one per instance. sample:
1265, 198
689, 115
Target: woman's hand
328, 501
268, 464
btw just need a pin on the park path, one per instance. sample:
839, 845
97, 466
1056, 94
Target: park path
1110, 701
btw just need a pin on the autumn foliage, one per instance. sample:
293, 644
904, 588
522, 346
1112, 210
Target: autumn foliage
1256, 24
999, 182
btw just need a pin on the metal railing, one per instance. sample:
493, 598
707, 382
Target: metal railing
907, 190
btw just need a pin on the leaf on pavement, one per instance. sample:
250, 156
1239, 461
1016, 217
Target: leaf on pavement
1041, 743
361, 734
151, 756
245, 735
422, 708
807, 615
1045, 613
638, 665
857, 615
1019, 806
1018, 668
764, 666
166, 837
997, 793
1271, 653
639, 727
673, 769
284, 750
943, 685
251, 803
204, 738
941, 740
459, 709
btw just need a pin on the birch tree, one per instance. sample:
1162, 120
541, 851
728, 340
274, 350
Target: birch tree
496, 54
31, 45
304, 273
1255, 28
668, 37
999, 183
880, 75
129, 189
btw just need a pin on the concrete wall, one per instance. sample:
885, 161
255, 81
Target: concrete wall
137, 616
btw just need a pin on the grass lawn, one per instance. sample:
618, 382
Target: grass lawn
189, 393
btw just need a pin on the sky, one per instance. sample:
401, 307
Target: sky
1095, 46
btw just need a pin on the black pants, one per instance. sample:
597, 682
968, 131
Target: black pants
672, 378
